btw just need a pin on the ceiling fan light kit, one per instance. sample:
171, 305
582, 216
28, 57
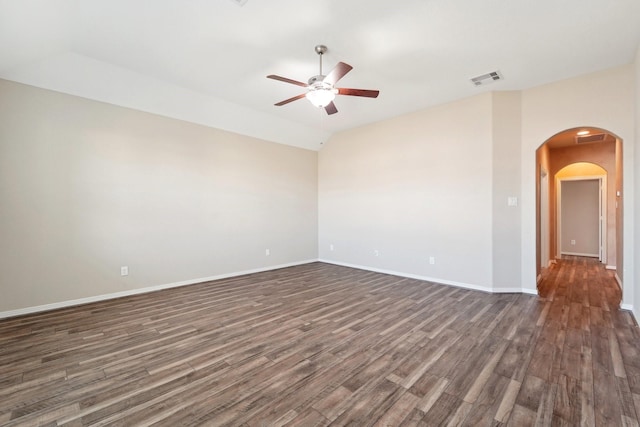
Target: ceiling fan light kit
321, 90
320, 94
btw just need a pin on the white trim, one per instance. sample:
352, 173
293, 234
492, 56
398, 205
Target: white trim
428, 279
97, 298
70, 303
602, 212
618, 281
627, 307
610, 267
580, 254
545, 224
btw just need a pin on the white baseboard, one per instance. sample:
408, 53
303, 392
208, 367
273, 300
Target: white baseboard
630, 309
580, 254
622, 305
430, 279
97, 298
610, 267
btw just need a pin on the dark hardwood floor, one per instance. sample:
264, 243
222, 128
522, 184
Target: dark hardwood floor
325, 345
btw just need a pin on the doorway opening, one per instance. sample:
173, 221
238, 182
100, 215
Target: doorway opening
581, 203
592, 158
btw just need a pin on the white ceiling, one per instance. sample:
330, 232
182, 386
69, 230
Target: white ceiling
205, 61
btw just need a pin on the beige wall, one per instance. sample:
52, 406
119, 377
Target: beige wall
380, 188
413, 187
88, 187
633, 205
619, 206
507, 121
544, 208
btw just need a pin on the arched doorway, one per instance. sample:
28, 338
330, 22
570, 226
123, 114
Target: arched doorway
591, 150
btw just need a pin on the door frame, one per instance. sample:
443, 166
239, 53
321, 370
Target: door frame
602, 209
545, 244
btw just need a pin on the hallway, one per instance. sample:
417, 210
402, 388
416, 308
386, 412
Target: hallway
581, 280
589, 346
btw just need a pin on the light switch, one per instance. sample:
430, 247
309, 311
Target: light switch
512, 201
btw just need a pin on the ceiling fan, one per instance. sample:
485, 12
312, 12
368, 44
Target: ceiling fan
321, 90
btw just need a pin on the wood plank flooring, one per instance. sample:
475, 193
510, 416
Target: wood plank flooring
318, 345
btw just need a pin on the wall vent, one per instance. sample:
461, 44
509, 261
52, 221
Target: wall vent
587, 139
485, 79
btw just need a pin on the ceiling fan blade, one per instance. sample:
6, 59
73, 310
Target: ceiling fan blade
358, 92
331, 108
286, 80
337, 73
286, 101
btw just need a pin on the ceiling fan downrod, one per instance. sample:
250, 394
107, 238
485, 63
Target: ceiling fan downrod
320, 50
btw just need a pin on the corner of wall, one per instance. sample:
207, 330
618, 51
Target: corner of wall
506, 120
636, 194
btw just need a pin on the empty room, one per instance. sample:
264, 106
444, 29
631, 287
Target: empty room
286, 213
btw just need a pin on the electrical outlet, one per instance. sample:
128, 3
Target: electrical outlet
376, 252
331, 247
124, 271
267, 252
432, 260
573, 242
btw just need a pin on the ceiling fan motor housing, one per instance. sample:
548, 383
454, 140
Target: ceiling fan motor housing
316, 79
317, 83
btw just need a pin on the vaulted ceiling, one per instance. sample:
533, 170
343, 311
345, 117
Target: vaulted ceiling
205, 61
